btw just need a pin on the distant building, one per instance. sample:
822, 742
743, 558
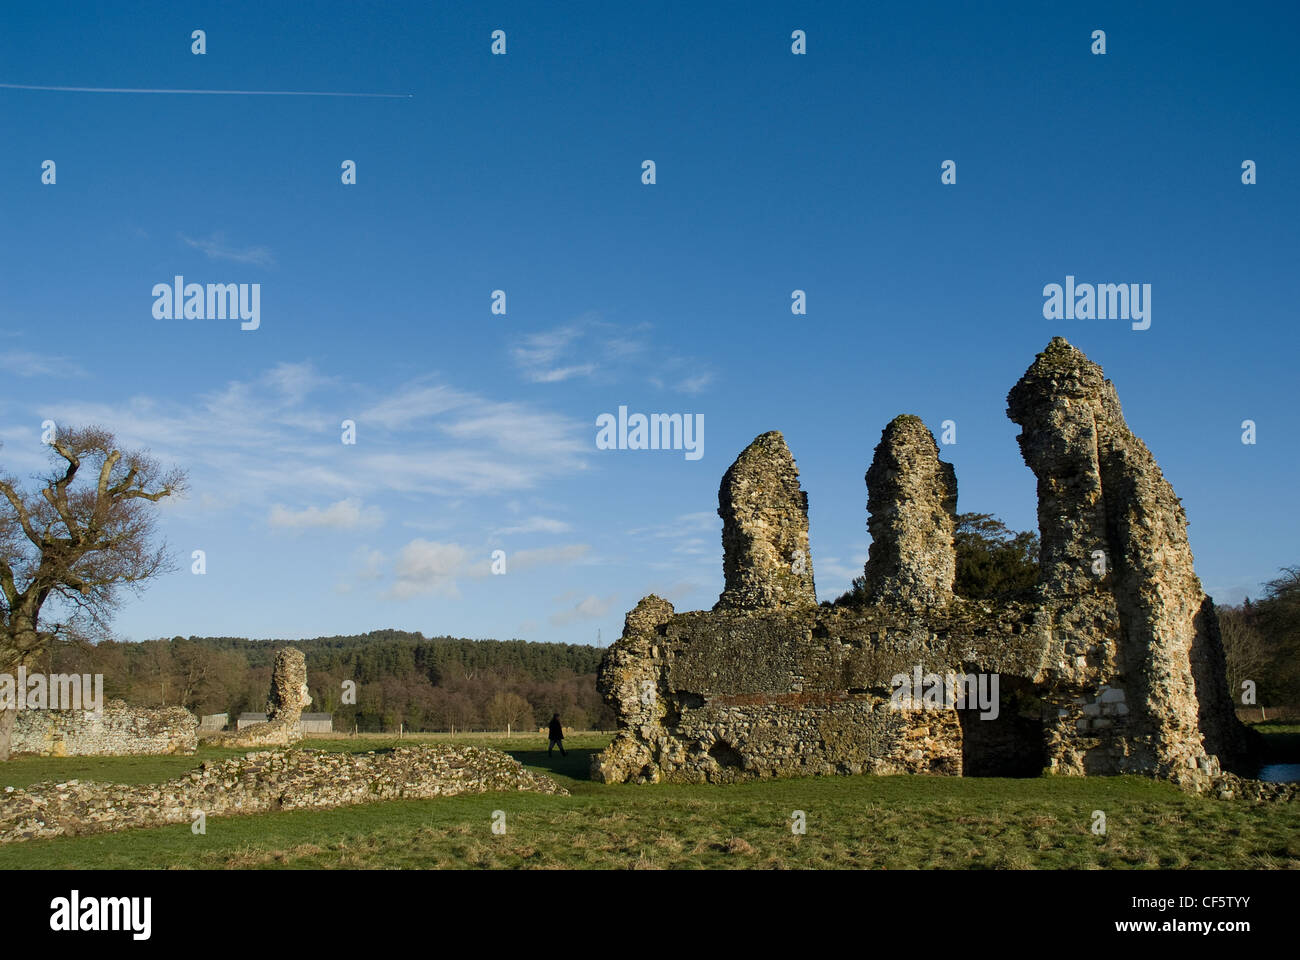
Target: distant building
213, 721
316, 723
307, 723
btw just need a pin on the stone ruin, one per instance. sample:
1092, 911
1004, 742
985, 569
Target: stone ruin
284, 707
1111, 664
119, 730
123, 730
264, 781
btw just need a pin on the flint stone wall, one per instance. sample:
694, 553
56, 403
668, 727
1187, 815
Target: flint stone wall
284, 707
766, 562
912, 499
117, 731
261, 782
1103, 668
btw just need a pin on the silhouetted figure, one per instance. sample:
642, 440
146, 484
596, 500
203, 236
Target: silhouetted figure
557, 736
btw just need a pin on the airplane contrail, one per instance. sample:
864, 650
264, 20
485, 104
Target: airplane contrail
250, 93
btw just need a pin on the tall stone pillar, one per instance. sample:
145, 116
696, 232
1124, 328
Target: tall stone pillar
765, 556
1111, 526
911, 504
1067, 409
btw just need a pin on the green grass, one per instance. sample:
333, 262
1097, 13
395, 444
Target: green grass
899, 822
25, 770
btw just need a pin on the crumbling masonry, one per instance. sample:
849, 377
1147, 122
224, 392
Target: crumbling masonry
284, 706
1111, 664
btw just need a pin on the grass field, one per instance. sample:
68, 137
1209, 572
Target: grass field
898, 822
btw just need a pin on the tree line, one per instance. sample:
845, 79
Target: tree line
398, 679
1261, 640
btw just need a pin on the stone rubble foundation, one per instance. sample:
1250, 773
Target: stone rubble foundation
261, 782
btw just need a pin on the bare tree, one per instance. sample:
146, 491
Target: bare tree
1244, 649
68, 547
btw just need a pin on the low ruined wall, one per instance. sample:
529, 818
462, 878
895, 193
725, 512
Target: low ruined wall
117, 731
262, 782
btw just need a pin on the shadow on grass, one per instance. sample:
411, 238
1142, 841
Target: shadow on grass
575, 766
1278, 746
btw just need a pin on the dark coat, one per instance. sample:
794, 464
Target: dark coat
557, 731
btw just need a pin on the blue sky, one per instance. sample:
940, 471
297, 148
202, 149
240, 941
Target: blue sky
522, 172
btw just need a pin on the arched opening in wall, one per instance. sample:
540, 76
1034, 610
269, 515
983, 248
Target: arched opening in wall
1008, 741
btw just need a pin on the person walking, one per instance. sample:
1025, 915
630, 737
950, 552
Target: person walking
557, 736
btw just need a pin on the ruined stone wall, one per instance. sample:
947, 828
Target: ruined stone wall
1112, 664
121, 730
284, 707
118, 730
262, 782
723, 697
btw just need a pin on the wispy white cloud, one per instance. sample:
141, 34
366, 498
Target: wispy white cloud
691, 538
539, 353
25, 363
215, 248
275, 437
681, 374
520, 430
367, 566
370, 563
348, 514
590, 607
683, 525
695, 384
560, 374
295, 381
535, 525
547, 556
834, 575
604, 352
414, 403
434, 567
427, 566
